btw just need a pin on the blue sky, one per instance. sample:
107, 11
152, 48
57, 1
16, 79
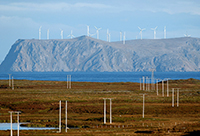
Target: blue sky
21, 19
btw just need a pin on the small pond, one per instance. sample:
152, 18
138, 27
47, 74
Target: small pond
6, 126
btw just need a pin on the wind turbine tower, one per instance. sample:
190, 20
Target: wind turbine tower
97, 31
71, 35
88, 30
47, 33
124, 38
141, 31
40, 32
61, 33
108, 36
165, 33
154, 31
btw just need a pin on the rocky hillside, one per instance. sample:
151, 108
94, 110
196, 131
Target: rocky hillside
89, 54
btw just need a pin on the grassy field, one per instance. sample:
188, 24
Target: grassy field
39, 103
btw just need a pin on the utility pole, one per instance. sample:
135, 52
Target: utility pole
9, 80
143, 105
12, 83
110, 110
163, 87
172, 97
143, 83
68, 81
11, 134
157, 86
146, 83
177, 97
168, 87
59, 117
18, 123
66, 116
105, 110
11, 130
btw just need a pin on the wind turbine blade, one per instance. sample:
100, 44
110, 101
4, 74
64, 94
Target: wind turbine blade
92, 34
156, 27
143, 29
139, 27
95, 27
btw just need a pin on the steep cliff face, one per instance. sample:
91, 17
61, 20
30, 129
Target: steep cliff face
89, 54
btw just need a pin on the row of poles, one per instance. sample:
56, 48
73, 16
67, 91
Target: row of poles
17, 112
11, 84
11, 81
105, 110
60, 107
69, 87
147, 83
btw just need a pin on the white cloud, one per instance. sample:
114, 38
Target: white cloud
15, 21
181, 7
54, 7
169, 6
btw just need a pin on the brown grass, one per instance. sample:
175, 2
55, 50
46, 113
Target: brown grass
38, 102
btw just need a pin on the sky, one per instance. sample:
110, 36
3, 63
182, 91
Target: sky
21, 19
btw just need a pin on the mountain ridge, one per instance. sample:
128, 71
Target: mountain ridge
89, 54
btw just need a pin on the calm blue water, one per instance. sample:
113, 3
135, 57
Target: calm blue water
99, 76
6, 126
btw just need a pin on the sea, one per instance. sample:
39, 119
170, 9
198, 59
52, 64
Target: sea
99, 76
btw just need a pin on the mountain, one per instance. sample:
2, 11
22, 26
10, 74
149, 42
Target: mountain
89, 54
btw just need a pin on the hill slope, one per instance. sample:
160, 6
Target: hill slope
89, 54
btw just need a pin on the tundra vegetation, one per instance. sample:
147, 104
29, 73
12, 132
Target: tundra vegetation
39, 103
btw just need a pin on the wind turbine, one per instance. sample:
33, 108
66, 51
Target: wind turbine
141, 31
88, 31
97, 31
108, 36
154, 31
124, 38
165, 33
61, 33
186, 35
71, 35
40, 32
47, 33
